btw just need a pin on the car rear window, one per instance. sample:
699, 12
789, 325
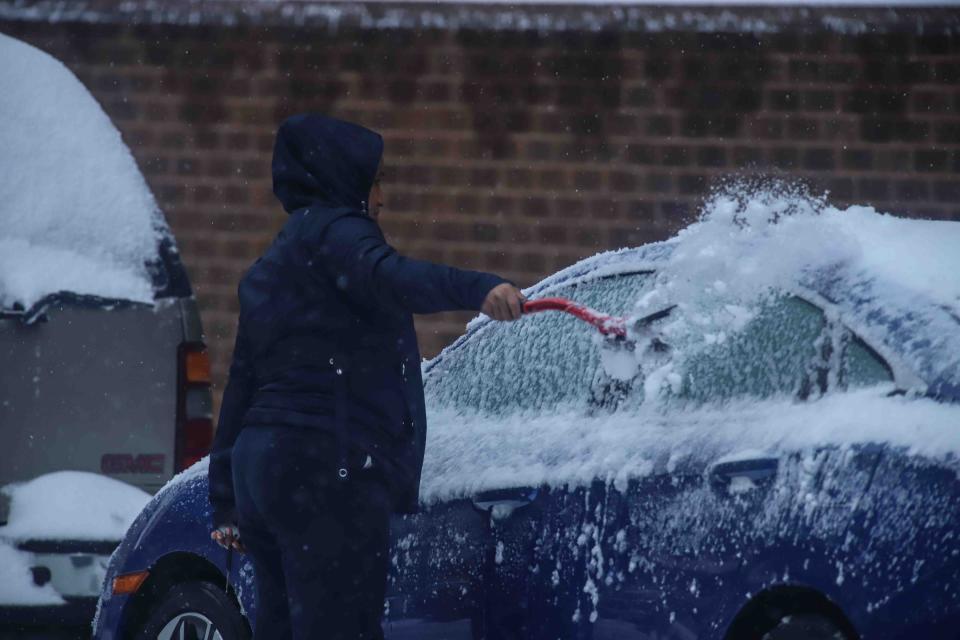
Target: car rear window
863, 367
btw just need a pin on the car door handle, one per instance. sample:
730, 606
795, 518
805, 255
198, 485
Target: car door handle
503, 502
740, 476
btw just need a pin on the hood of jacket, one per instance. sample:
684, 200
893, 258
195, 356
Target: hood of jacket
322, 161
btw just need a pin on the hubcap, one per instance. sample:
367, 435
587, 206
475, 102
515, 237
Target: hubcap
189, 626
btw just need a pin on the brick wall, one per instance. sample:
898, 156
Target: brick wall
515, 151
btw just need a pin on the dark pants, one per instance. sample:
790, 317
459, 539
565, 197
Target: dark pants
319, 545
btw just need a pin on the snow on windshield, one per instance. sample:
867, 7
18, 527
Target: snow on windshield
75, 210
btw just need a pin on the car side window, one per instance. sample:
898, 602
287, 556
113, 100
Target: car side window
788, 348
863, 367
541, 361
777, 352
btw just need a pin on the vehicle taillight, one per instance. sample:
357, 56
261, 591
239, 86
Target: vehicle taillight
194, 420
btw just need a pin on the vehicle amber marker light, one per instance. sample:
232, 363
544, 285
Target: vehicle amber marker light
129, 582
197, 366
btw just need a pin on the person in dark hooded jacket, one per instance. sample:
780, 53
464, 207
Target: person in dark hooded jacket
322, 426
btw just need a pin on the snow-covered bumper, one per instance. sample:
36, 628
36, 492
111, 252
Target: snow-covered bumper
73, 569
52, 581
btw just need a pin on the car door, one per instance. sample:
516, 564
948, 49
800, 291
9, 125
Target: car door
904, 549
655, 554
437, 565
695, 541
907, 550
537, 554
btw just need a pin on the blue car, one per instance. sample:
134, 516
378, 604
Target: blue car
778, 470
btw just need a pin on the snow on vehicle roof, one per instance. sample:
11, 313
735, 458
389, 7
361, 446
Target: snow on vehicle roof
75, 210
891, 280
74, 505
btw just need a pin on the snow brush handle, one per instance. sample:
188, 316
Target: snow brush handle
607, 325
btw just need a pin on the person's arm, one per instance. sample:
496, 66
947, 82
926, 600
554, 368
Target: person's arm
236, 400
371, 272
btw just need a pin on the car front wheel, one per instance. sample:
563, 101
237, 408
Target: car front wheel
195, 611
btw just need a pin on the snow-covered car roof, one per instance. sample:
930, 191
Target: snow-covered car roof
76, 213
891, 280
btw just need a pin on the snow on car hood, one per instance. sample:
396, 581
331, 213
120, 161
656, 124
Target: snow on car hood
74, 505
75, 210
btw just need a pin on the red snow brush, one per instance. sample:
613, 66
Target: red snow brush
613, 326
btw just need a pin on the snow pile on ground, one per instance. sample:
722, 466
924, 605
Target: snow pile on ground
16, 581
74, 505
470, 452
75, 211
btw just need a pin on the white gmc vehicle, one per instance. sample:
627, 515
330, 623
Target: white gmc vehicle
104, 377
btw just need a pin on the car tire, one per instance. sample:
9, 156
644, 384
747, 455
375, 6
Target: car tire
191, 609
806, 626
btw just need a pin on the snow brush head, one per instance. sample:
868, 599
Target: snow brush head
621, 350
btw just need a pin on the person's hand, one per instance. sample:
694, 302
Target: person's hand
228, 536
504, 302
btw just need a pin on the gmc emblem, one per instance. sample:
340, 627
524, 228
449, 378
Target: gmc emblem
128, 463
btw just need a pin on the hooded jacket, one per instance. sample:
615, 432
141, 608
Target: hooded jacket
325, 337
